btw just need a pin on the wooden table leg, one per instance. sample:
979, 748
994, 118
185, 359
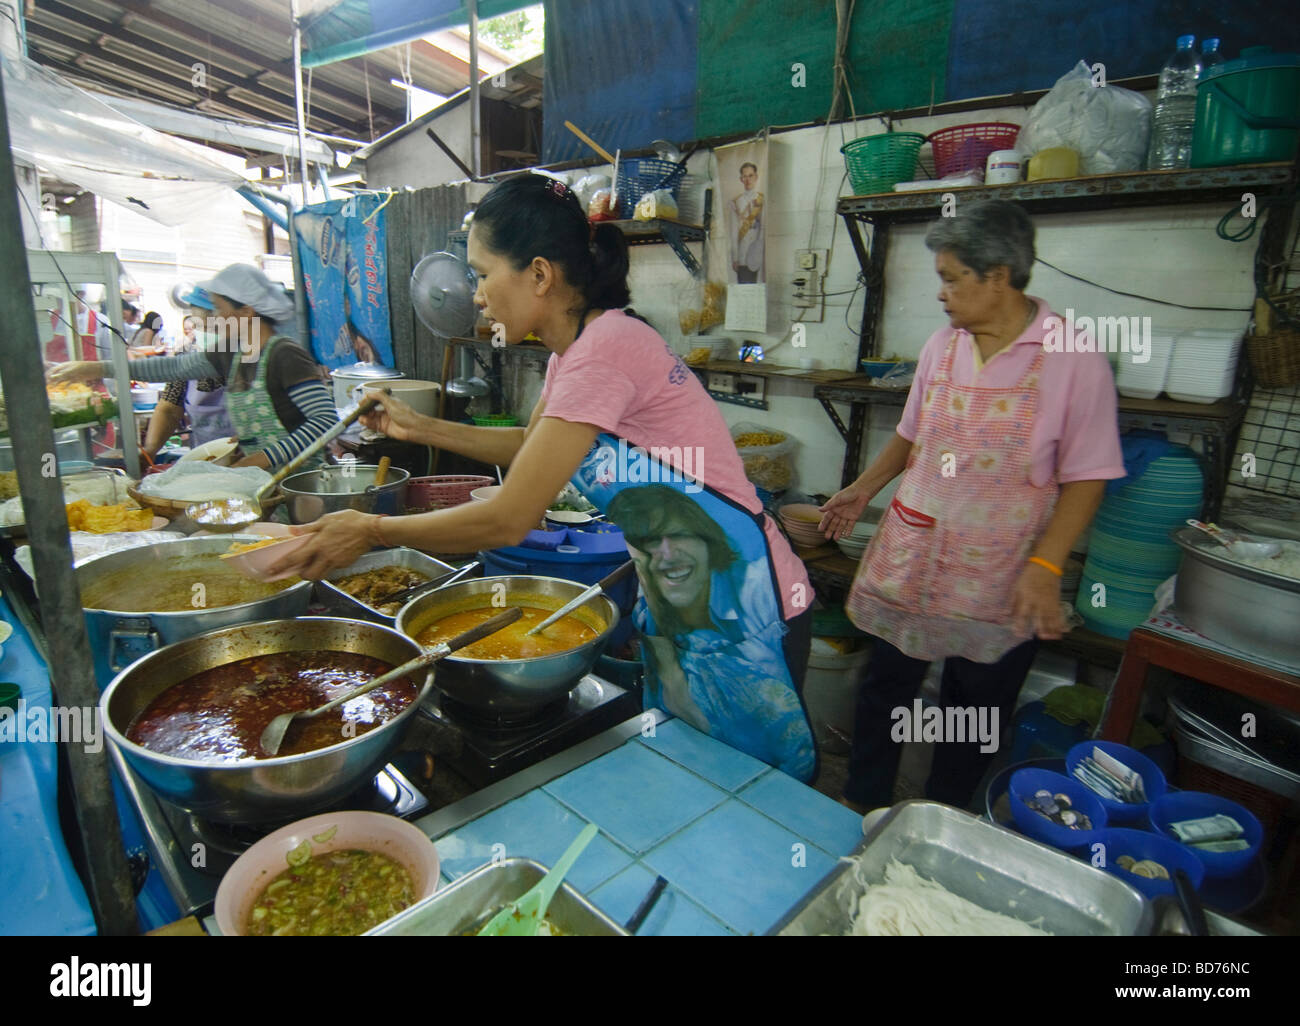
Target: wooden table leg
1125, 699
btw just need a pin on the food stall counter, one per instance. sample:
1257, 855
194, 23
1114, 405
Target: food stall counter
44, 894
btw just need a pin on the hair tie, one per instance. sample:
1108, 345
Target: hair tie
558, 187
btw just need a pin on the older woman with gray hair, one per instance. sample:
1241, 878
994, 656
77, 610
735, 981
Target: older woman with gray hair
1005, 447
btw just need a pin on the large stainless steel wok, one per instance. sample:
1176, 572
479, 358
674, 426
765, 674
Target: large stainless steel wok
510, 688
258, 790
119, 638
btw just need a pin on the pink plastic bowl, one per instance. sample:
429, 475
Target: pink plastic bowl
368, 831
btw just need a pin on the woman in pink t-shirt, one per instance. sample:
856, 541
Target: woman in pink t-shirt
1005, 446
725, 610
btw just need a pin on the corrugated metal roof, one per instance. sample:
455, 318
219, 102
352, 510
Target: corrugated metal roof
148, 49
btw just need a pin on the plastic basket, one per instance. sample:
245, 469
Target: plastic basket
440, 491
636, 177
964, 148
876, 162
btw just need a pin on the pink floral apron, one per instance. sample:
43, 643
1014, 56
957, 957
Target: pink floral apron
938, 577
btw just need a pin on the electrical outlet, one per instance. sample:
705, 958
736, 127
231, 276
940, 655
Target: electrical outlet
810, 260
723, 383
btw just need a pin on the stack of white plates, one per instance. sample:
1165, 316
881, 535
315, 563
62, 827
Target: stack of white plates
1204, 365
1146, 380
856, 543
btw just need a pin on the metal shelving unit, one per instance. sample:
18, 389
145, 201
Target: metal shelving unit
1216, 424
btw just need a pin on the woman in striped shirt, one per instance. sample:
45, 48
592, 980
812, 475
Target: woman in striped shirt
275, 396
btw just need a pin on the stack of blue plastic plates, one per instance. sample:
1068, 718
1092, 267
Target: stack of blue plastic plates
1131, 553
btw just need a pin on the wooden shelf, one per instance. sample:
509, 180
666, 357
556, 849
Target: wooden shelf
641, 233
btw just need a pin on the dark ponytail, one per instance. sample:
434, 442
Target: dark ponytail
532, 215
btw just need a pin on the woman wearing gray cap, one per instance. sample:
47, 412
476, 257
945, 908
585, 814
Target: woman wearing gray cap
275, 397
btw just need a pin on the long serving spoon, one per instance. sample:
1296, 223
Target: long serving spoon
1237, 545
273, 735
606, 582
522, 917
226, 516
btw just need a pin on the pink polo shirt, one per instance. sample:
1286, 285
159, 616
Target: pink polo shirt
621, 376
1075, 434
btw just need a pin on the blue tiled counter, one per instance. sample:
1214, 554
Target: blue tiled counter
739, 842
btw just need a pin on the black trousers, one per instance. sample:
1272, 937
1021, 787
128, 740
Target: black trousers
893, 680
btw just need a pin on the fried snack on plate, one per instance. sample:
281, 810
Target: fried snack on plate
83, 515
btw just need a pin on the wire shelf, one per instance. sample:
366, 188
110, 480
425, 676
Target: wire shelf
1270, 431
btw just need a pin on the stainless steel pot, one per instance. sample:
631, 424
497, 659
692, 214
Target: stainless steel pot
509, 688
258, 790
118, 638
346, 379
314, 493
1242, 606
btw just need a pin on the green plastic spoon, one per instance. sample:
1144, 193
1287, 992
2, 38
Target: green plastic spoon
524, 916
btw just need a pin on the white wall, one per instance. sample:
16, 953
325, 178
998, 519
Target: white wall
1170, 253
416, 160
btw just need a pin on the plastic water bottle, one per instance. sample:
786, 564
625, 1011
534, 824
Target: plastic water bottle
1175, 112
1210, 54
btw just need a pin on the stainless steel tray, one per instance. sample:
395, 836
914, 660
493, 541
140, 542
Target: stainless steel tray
339, 601
996, 869
466, 905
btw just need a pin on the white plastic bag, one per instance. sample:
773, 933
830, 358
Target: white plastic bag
767, 455
199, 482
1107, 126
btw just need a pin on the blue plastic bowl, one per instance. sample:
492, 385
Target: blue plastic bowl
1023, 785
1152, 779
1141, 845
1180, 805
539, 539
590, 541
879, 368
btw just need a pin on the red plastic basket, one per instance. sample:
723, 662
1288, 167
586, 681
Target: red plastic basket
442, 490
967, 147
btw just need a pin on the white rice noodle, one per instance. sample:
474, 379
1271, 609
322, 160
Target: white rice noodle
909, 905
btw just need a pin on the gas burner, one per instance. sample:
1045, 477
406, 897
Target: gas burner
484, 750
477, 719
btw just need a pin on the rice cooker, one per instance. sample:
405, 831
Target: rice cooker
348, 378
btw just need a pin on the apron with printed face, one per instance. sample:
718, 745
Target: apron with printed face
938, 577
252, 413
709, 611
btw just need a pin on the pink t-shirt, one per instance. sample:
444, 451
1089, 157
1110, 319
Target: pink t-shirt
621, 376
1075, 435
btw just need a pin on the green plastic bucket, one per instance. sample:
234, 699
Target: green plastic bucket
1248, 110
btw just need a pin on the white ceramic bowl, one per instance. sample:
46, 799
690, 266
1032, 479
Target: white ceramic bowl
368, 831
484, 493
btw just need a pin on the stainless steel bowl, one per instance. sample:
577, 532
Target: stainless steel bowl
313, 493
509, 688
1241, 606
117, 638
258, 790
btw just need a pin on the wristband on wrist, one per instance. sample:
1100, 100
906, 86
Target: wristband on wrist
375, 535
1049, 566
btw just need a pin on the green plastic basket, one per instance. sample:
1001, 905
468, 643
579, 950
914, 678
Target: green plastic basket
877, 162
497, 420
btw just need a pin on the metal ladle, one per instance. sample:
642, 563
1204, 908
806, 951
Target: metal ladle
226, 516
1237, 545
273, 735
